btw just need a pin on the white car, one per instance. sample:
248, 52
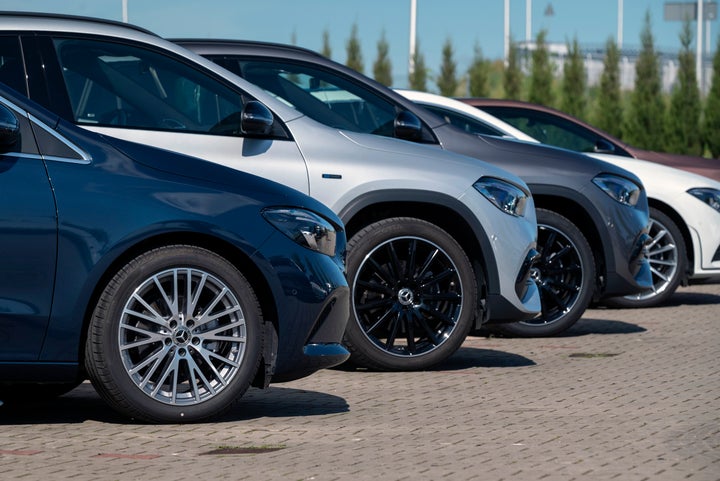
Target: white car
684, 207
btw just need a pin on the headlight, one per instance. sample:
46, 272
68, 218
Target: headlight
506, 197
619, 188
304, 227
710, 196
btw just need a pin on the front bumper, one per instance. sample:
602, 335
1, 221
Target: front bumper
312, 304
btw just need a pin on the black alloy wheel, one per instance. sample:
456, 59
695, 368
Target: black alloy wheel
565, 275
414, 295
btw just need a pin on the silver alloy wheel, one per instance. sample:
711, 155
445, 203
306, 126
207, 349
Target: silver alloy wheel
407, 296
182, 336
663, 256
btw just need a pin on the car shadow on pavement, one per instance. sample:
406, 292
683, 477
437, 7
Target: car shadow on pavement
469, 357
83, 404
586, 326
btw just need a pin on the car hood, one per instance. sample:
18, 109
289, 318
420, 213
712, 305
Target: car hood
264, 191
428, 158
534, 163
660, 179
691, 163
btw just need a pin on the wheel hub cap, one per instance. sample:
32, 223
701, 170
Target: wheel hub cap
405, 296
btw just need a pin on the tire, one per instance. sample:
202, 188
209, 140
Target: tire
175, 336
414, 295
565, 277
668, 261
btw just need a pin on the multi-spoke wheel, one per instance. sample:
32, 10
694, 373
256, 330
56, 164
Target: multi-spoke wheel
414, 295
175, 336
668, 261
565, 275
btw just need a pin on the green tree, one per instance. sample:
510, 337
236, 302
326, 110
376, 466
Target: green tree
478, 74
419, 75
541, 73
382, 68
574, 82
683, 120
512, 74
644, 123
354, 52
609, 111
447, 82
712, 109
326, 49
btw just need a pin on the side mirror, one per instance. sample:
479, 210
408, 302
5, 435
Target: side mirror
602, 146
256, 119
407, 126
9, 130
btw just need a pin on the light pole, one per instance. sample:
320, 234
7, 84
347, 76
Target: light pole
413, 21
124, 11
698, 57
506, 48
620, 25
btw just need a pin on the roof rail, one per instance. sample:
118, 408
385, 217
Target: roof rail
62, 16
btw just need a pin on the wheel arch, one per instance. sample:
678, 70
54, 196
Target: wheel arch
444, 211
576, 213
218, 246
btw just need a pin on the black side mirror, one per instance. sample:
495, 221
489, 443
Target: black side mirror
256, 119
602, 146
9, 130
407, 126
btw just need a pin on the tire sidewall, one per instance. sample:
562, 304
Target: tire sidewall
107, 366
364, 351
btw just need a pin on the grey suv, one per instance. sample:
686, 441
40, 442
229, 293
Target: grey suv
592, 215
438, 242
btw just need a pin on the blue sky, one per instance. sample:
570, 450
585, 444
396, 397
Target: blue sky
465, 22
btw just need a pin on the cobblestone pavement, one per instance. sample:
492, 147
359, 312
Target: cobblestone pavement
626, 395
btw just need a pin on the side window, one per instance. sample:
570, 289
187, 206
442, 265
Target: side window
548, 129
321, 95
12, 72
110, 84
467, 124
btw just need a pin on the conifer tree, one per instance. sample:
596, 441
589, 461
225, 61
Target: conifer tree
382, 68
418, 77
513, 75
712, 109
478, 74
326, 49
447, 82
574, 82
541, 73
683, 120
609, 112
644, 125
354, 52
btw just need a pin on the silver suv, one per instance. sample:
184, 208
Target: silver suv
438, 242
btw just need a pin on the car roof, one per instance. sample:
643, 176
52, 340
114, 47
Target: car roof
42, 21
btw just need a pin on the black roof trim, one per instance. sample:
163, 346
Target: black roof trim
62, 16
249, 43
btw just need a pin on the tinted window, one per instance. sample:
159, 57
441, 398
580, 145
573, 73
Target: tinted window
468, 124
329, 97
12, 72
121, 85
547, 128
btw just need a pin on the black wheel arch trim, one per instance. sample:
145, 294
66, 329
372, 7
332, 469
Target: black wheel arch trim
411, 196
